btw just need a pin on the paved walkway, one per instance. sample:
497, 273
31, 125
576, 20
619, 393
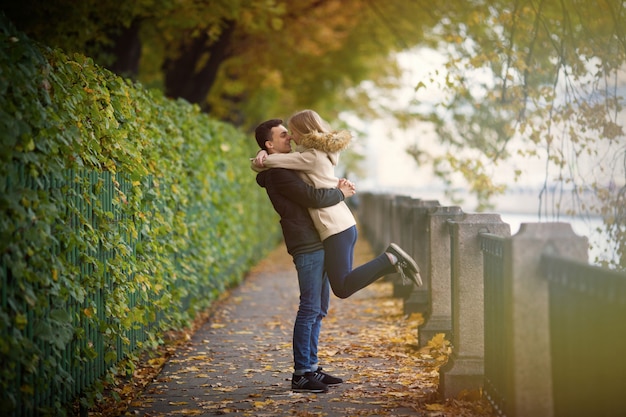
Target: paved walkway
240, 361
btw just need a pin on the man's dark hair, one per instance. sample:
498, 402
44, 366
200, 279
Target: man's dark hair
263, 132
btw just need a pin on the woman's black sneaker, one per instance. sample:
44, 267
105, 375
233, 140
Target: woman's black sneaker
406, 266
307, 383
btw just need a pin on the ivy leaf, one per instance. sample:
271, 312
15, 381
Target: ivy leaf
61, 316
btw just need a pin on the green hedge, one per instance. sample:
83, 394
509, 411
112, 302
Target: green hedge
122, 214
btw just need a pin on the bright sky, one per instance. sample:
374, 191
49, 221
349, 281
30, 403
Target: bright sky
387, 162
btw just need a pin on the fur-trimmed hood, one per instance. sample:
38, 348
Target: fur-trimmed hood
330, 142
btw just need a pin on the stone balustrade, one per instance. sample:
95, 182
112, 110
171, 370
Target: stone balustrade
489, 294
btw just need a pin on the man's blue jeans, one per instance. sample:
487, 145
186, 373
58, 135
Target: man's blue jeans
314, 301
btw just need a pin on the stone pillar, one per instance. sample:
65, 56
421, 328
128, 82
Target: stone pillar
401, 223
439, 276
395, 220
417, 246
527, 296
366, 215
465, 367
376, 219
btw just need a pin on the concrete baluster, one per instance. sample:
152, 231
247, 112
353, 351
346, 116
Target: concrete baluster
416, 231
465, 367
437, 239
527, 298
398, 222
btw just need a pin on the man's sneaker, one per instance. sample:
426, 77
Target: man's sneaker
406, 266
325, 378
307, 383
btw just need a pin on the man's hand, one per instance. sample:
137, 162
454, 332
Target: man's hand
260, 157
347, 187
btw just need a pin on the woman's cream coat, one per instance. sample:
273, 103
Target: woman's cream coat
315, 158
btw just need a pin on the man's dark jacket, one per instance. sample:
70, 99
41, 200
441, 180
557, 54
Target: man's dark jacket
290, 197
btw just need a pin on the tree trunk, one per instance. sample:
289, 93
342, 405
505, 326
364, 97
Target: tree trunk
127, 51
183, 80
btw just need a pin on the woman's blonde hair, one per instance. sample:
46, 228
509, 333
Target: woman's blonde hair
307, 121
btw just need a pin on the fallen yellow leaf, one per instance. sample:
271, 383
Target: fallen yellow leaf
434, 407
189, 412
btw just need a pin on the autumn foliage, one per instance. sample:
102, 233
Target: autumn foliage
239, 60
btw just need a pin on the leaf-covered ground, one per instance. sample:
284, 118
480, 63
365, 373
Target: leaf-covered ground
239, 360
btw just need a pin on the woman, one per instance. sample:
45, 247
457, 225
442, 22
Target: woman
316, 157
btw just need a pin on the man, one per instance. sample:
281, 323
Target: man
290, 197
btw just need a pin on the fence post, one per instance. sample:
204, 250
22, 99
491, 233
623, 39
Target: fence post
437, 240
367, 210
417, 231
527, 298
374, 216
395, 219
385, 220
465, 367
399, 222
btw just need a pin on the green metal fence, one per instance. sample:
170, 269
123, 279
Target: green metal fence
87, 191
588, 337
89, 194
497, 346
